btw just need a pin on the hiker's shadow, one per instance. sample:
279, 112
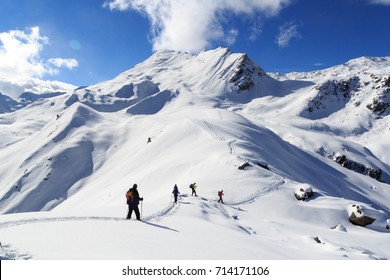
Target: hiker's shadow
160, 226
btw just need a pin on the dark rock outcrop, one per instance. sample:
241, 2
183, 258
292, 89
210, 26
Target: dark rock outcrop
358, 217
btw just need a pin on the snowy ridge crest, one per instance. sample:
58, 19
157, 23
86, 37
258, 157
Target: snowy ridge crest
215, 119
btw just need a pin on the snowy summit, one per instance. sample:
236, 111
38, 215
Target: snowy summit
302, 159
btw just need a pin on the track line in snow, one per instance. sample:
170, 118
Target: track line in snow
214, 132
170, 210
57, 219
264, 191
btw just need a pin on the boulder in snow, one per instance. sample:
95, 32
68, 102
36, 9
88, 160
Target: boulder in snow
243, 166
303, 192
318, 240
358, 217
263, 165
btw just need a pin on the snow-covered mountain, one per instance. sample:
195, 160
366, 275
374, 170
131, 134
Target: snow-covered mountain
216, 119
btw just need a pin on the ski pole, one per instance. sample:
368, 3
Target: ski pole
142, 203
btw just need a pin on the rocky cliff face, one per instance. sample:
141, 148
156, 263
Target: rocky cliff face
246, 74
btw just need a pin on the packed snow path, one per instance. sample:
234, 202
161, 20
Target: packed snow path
170, 210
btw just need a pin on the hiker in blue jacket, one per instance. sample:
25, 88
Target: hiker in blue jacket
175, 192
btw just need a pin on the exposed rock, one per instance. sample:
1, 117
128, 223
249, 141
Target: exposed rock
358, 167
335, 93
263, 165
380, 105
361, 221
358, 217
243, 77
243, 166
303, 192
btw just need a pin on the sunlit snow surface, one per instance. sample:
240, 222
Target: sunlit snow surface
67, 161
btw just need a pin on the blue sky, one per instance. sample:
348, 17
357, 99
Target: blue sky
88, 41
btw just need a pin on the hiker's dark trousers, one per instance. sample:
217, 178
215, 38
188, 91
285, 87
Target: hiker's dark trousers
136, 211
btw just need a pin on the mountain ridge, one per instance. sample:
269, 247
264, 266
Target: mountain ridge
219, 120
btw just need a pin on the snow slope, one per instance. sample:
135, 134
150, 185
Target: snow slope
68, 159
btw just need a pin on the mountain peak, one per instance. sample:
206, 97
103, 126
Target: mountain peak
216, 119
214, 73
365, 63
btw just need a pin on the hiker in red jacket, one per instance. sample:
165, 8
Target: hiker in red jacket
220, 194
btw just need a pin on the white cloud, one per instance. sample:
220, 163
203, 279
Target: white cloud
19, 54
69, 63
287, 32
231, 36
256, 30
21, 62
381, 2
193, 25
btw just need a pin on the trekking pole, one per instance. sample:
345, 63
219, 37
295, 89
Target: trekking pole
142, 203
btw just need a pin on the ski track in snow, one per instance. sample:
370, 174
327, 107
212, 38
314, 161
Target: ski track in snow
171, 209
210, 127
264, 191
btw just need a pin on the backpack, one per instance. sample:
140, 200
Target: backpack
219, 193
129, 196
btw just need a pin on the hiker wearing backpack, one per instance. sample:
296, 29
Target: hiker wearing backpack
175, 192
220, 194
133, 200
193, 187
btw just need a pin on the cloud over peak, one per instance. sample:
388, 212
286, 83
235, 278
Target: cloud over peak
287, 32
193, 25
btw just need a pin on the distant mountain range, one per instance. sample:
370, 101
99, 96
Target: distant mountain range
221, 121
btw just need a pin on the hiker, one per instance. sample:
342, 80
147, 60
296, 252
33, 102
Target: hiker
220, 194
149, 140
193, 187
133, 200
175, 192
